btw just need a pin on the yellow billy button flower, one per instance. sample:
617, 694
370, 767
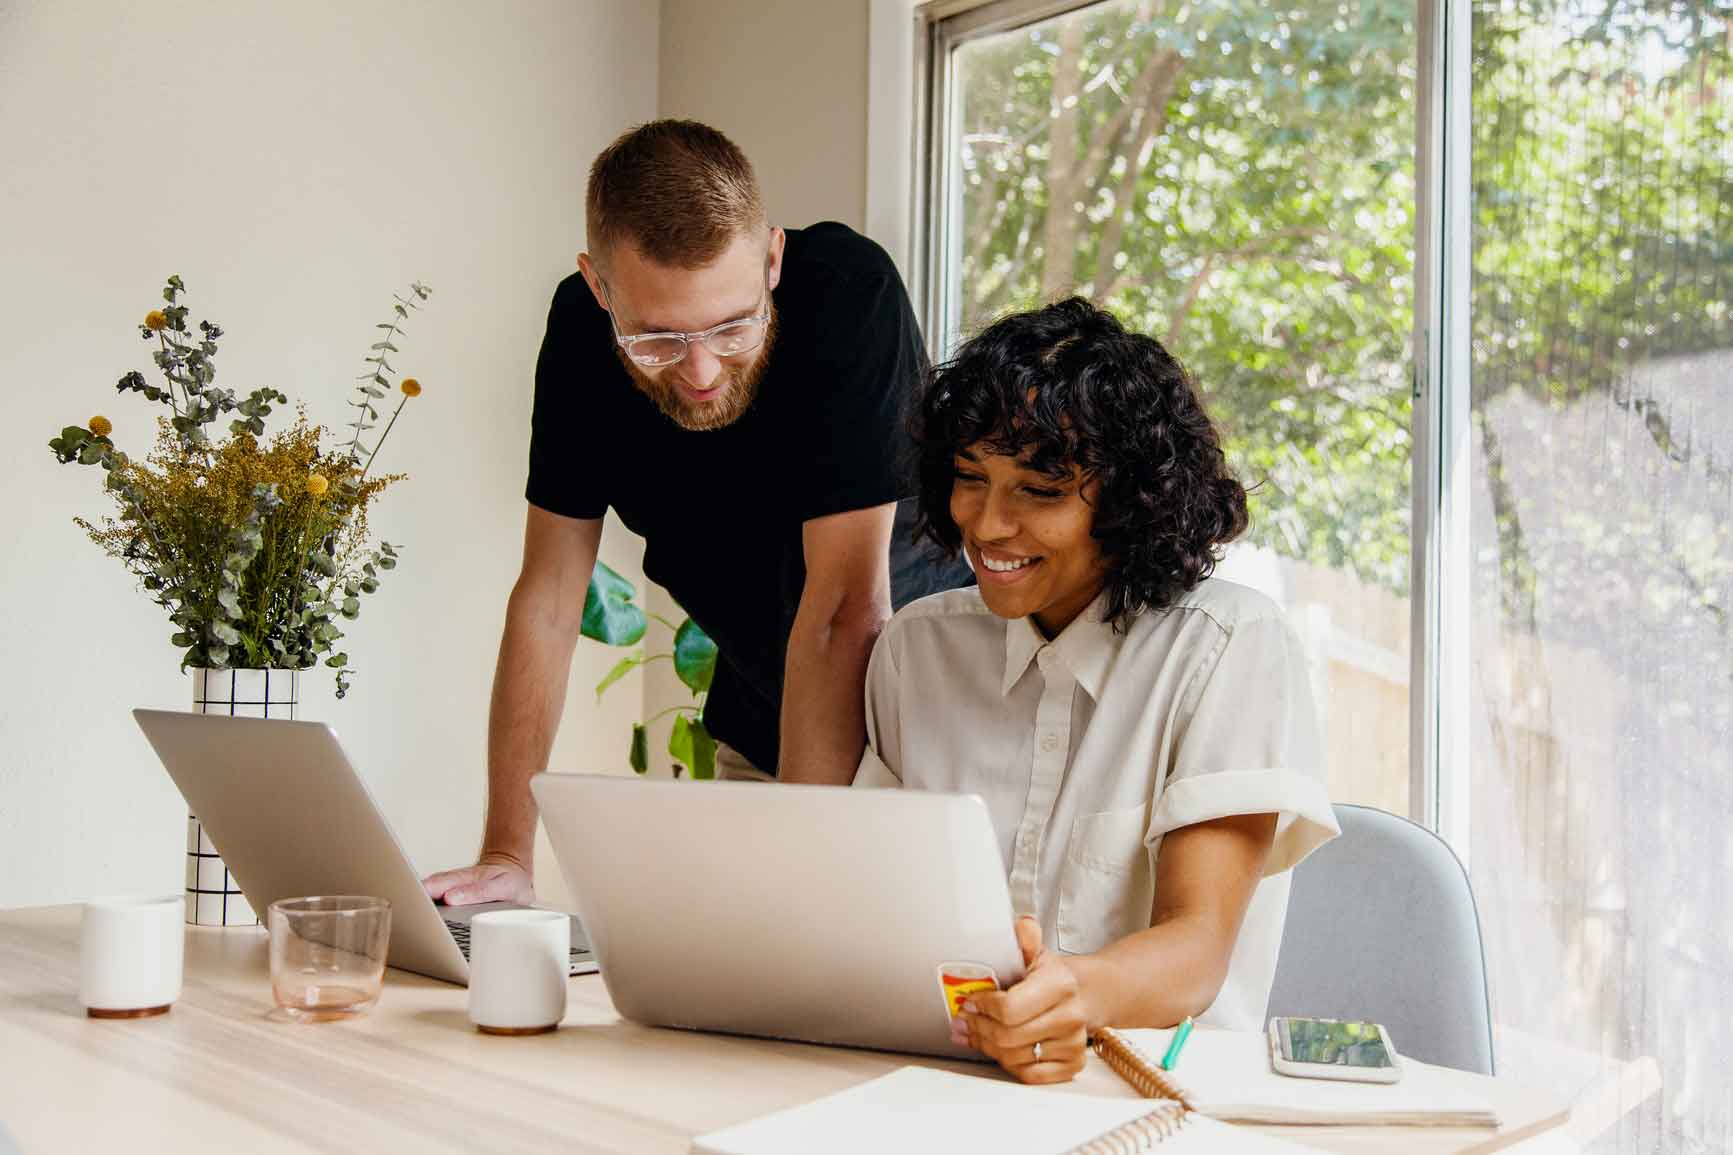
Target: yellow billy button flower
101, 426
411, 387
317, 485
155, 320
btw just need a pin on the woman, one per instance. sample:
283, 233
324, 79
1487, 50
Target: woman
1143, 735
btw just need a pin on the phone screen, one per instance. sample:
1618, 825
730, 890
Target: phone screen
1334, 1044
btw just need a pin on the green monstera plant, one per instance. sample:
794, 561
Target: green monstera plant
613, 617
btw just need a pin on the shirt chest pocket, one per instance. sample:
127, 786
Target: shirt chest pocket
1107, 883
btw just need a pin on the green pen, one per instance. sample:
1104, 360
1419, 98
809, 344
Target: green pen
1173, 1048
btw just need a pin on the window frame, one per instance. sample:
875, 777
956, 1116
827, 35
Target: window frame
941, 27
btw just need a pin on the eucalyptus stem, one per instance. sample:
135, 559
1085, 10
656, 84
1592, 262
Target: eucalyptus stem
162, 555
301, 560
265, 587
162, 340
378, 372
377, 445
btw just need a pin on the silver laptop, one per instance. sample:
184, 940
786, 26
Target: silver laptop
817, 913
290, 817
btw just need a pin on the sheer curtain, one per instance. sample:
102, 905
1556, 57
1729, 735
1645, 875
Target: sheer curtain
1601, 580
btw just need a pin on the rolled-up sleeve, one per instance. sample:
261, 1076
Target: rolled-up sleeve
1247, 743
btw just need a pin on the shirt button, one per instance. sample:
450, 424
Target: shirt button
1049, 742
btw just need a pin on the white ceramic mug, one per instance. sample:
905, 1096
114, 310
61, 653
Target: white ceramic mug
519, 961
130, 956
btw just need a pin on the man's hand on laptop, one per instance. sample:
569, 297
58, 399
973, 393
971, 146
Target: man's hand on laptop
496, 877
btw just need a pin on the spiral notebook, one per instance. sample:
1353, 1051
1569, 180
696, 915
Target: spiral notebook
917, 1111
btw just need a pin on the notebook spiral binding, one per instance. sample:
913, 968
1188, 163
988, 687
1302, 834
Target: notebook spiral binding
1148, 1080
1140, 1134
1135, 1067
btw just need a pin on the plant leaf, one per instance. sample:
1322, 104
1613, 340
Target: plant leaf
691, 745
640, 755
621, 668
680, 740
610, 613
694, 656
703, 761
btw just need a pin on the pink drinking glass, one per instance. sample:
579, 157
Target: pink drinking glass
328, 954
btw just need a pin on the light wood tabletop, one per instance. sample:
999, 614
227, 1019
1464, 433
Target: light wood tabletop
222, 1071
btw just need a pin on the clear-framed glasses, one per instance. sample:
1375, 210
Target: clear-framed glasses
659, 350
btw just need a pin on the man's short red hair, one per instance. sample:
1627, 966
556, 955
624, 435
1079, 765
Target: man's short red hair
677, 191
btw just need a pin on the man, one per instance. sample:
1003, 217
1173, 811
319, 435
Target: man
736, 394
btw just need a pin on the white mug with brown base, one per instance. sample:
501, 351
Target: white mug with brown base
519, 961
130, 956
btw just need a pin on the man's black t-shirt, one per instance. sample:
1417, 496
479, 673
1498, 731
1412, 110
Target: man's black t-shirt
720, 511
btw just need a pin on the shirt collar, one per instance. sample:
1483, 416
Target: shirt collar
1087, 647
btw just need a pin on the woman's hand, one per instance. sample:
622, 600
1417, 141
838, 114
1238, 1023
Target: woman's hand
1046, 1008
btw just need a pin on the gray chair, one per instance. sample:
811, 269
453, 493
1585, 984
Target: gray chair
1381, 926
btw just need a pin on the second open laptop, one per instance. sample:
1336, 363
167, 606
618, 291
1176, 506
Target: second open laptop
817, 913
291, 817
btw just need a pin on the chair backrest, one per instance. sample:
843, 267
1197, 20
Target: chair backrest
1381, 926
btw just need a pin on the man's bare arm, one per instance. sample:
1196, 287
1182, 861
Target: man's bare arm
542, 623
843, 606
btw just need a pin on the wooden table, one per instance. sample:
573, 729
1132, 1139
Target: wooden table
222, 1072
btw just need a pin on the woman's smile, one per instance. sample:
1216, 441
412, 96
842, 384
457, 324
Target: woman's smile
1001, 567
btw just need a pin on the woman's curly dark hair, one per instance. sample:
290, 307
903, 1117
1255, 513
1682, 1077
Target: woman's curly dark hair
1068, 385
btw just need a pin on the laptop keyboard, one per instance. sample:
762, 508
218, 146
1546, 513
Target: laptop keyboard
460, 932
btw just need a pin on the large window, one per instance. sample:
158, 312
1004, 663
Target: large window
1240, 180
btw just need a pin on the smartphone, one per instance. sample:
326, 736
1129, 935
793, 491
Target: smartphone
1332, 1049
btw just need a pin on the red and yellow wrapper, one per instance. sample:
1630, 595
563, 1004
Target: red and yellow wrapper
959, 980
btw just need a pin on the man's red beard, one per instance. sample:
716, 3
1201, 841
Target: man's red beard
739, 388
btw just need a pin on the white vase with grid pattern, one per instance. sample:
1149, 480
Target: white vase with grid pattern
213, 899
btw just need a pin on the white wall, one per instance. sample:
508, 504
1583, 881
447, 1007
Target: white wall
295, 165
788, 81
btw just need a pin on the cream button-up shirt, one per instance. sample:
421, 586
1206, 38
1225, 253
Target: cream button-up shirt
1087, 749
